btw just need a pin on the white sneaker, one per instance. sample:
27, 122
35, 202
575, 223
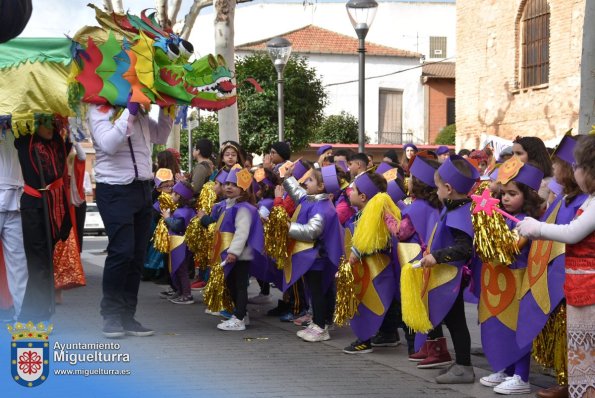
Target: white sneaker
208, 311
494, 379
315, 334
232, 324
513, 385
303, 332
260, 299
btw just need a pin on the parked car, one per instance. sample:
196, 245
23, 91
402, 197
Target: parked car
93, 221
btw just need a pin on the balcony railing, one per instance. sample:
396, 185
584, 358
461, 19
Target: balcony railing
394, 137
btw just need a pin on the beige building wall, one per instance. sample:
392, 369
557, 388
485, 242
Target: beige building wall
488, 97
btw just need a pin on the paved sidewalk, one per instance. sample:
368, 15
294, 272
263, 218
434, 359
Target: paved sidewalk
190, 357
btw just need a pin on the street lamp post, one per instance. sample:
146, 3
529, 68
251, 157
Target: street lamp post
279, 50
362, 13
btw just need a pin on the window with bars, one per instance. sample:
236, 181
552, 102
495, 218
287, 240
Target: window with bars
450, 111
535, 43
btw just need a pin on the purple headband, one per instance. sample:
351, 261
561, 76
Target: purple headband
423, 171
450, 174
299, 170
565, 149
232, 177
268, 182
366, 186
394, 191
221, 176
323, 149
383, 168
343, 165
183, 191
529, 175
329, 177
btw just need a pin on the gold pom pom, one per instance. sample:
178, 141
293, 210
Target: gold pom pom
207, 198
494, 242
415, 313
160, 236
347, 302
200, 241
276, 230
216, 296
550, 346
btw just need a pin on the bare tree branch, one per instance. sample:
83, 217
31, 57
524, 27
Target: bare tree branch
174, 9
107, 5
190, 18
161, 6
118, 7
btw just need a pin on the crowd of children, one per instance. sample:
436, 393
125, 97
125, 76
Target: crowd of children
414, 217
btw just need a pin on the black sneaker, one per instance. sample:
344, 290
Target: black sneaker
112, 328
281, 308
359, 347
385, 340
134, 328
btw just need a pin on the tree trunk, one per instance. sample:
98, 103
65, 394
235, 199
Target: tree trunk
224, 45
190, 18
174, 8
161, 6
107, 5
173, 141
118, 7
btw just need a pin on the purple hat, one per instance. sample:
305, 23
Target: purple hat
232, 176
366, 186
422, 171
529, 175
450, 174
442, 149
565, 149
394, 191
409, 145
343, 165
299, 170
183, 191
331, 181
555, 187
221, 176
323, 149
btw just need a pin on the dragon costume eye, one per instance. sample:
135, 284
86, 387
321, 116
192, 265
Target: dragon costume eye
173, 52
186, 48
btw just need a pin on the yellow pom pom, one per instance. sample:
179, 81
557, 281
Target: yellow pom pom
415, 313
276, 230
207, 198
371, 232
216, 296
160, 236
346, 304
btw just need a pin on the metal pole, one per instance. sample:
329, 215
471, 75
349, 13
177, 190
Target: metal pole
362, 92
190, 149
280, 105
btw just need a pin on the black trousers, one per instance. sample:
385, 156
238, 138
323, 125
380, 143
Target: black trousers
126, 214
80, 213
321, 300
237, 282
37, 304
456, 323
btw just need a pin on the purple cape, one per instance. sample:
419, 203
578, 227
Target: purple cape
423, 217
179, 253
258, 265
498, 339
530, 312
329, 244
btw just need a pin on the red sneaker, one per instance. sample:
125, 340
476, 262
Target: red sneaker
198, 285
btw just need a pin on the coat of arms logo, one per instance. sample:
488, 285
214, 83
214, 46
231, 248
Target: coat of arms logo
29, 353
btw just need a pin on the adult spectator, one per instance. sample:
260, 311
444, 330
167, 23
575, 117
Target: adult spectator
324, 153
11, 229
532, 149
203, 149
464, 153
279, 154
167, 160
390, 156
123, 175
443, 153
409, 150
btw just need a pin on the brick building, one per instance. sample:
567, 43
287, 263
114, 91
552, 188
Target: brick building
439, 96
524, 67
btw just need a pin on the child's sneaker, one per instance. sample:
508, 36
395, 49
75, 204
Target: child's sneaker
260, 299
198, 286
494, 379
232, 324
457, 374
513, 385
359, 347
225, 314
214, 313
303, 332
182, 300
315, 334
246, 320
303, 320
385, 340
167, 294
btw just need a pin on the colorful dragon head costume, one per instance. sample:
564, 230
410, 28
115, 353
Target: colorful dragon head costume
134, 56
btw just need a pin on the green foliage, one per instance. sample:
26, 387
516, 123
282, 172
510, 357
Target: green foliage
208, 127
305, 100
447, 135
341, 128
